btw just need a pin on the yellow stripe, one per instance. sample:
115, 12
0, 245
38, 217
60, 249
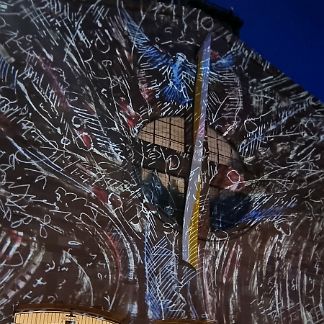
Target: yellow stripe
193, 230
191, 217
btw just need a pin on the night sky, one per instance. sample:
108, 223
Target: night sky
288, 33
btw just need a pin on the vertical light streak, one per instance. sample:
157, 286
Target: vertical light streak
192, 208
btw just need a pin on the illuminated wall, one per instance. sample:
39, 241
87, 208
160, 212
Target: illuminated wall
56, 318
90, 215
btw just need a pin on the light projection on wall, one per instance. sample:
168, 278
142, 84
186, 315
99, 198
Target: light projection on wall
92, 203
193, 206
164, 188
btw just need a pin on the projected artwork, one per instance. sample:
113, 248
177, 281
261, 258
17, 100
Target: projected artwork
96, 125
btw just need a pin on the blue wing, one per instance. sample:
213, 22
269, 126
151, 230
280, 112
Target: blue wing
154, 56
226, 62
218, 69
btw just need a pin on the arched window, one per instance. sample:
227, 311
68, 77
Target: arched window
165, 187
162, 188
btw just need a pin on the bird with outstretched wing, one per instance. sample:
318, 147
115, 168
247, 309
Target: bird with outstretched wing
177, 73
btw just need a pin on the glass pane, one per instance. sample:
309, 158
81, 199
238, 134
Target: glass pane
167, 132
219, 150
162, 141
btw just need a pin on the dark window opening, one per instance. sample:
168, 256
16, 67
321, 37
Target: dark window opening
165, 192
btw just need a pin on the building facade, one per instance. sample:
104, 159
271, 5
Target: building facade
96, 147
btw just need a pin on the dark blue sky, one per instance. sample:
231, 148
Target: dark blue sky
288, 33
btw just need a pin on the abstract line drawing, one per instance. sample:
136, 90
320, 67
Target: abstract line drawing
96, 143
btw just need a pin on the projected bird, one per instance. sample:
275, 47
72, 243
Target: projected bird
176, 77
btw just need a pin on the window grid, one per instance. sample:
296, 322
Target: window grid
168, 181
167, 132
177, 183
219, 150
